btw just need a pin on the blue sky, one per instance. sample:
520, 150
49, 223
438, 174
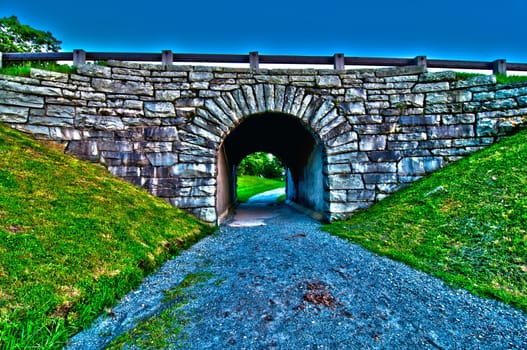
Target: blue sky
447, 29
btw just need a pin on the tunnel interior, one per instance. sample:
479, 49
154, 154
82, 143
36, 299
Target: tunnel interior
287, 138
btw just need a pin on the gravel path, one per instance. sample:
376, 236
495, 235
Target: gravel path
279, 282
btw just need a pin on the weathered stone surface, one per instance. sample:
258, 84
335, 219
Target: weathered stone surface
159, 109
345, 182
327, 81
48, 75
429, 87
438, 76
451, 131
13, 114
123, 87
407, 100
93, 70
164, 159
200, 76
20, 99
30, 89
420, 120
507, 103
419, 165
475, 81
372, 142
351, 108
195, 170
166, 133
99, 122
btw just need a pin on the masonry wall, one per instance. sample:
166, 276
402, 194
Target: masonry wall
161, 127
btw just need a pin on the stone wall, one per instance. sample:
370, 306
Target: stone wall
161, 127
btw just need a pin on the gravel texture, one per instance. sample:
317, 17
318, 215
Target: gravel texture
279, 282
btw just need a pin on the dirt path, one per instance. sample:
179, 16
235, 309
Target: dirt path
279, 282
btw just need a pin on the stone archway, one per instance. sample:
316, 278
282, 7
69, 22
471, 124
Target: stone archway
245, 120
285, 136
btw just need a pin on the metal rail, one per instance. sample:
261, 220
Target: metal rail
339, 61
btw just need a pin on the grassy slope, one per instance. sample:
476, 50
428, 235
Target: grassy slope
248, 186
72, 240
472, 234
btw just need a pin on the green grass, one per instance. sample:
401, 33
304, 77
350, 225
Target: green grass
465, 224
248, 186
500, 78
24, 69
153, 333
73, 239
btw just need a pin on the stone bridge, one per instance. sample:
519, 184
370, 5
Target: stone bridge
347, 138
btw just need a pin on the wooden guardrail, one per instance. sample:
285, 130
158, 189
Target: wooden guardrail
339, 61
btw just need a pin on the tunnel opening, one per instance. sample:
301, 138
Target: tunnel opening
288, 138
257, 173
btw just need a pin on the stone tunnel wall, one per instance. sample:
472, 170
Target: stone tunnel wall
161, 127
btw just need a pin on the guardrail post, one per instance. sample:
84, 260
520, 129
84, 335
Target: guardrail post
1, 60
254, 60
499, 67
420, 61
338, 61
79, 57
167, 58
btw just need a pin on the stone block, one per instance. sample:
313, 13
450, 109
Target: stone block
484, 96
193, 170
384, 156
420, 120
13, 114
51, 121
123, 87
380, 178
345, 182
21, 99
30, 89
438, 76
451, 131
328, 81
355, 94
193, 202
351, 108
163, 159
360, 195
165, 133
487, 127
507, 103
412, 166
430, 87
200, 76
458, 119
407, 100
383, 167
84, 149
159, 109
475, 81
60, 111
94, 71
98, 122
372, 142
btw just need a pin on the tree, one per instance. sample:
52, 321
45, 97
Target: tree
18, 37
261, 164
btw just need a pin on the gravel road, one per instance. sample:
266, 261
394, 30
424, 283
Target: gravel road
279, 282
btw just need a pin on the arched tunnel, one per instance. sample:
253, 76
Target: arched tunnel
286, 137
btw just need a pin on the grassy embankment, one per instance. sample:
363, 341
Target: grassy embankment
248, 186
73, 239
466, 224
